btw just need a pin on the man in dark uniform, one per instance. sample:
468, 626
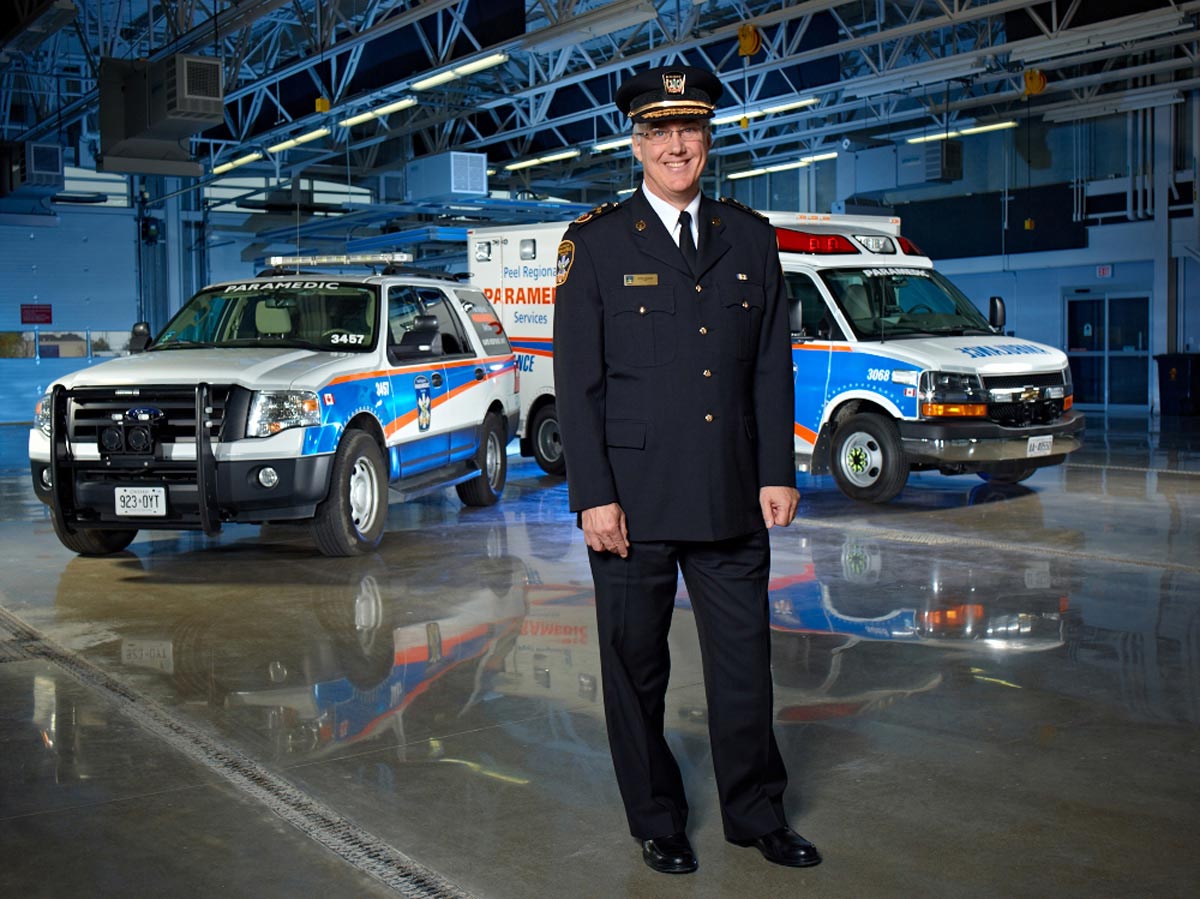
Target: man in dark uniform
673, 376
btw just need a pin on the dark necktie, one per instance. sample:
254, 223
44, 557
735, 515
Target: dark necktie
687, 245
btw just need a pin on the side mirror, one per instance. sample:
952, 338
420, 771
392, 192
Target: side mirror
139, 337
996, 312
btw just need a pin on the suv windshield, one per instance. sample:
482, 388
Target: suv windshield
316, 314
882, 303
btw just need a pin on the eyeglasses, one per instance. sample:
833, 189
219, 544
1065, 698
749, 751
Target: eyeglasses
689, 134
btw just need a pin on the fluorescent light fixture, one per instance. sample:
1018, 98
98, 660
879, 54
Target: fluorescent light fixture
736, 117
612, 145
788, 107
960, 132
434, 80
467, 68
1130, 101
1103, 34
380, 112
480, 64
234, 163
625, 191
550, 157
757, 111
597, 23
920, 74
299, 139
784, 166
749, 173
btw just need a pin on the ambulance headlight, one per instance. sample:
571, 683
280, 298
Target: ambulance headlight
41, 415
951, 387
946, 394
272, 411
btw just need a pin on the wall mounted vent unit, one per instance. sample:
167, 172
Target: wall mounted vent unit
31, 169
175, 97
447, 177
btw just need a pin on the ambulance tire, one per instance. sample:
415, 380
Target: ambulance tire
547, 441
352, 518
493, 466
868, 461
93, 541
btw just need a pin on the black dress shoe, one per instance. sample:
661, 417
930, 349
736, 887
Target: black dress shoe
670, 854
784, 847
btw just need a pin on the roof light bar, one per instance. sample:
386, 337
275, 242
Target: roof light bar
790, 241
341, 259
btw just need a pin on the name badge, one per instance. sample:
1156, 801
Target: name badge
650, 280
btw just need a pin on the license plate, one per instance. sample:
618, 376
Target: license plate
143, 502
1040, 446
158, 655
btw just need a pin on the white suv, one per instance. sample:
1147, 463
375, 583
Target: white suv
292, 395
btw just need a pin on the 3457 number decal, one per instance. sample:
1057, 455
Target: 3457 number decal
347, 338
879, 374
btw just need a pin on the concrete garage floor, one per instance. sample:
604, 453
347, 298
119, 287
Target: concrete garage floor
239, 716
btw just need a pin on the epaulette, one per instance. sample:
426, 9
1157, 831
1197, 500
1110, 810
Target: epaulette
602, 209
730, 201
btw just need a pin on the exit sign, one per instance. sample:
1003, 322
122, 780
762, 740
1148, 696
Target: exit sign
36, 314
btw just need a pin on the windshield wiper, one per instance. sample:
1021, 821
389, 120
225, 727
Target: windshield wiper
183, 345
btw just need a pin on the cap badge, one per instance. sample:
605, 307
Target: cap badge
674, 83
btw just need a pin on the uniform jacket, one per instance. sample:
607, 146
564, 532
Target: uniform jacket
674, 390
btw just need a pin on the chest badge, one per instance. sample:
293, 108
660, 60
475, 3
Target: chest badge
647, 280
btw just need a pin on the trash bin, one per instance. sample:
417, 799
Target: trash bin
1178, 383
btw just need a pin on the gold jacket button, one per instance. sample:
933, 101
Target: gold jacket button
707, 373
641, 310
703, 330
745, 305
699, 288
708, 417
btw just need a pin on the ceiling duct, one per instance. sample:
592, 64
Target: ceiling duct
148, 110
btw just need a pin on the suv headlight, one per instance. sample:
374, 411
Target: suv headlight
41, 414
272, 411
955, 394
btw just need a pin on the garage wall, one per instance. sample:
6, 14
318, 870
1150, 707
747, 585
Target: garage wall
85, 269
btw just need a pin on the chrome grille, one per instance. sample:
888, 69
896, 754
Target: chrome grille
92, 409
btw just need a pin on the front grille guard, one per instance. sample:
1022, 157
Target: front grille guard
63, 465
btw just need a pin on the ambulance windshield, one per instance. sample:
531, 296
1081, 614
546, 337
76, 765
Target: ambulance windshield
317, 315
894, 302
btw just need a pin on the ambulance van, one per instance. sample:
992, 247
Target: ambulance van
895, 369
294, 395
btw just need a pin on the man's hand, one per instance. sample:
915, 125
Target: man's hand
604, 529
778, 505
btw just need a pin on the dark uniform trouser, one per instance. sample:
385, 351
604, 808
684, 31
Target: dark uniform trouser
727, 584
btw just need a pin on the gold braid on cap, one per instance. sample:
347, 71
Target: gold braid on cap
660, 109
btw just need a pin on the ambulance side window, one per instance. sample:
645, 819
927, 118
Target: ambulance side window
807, 311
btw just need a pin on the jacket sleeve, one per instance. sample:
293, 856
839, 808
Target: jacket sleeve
774, 386
579, 381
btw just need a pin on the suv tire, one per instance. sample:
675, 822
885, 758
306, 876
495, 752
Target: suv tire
493, 465
351, 519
